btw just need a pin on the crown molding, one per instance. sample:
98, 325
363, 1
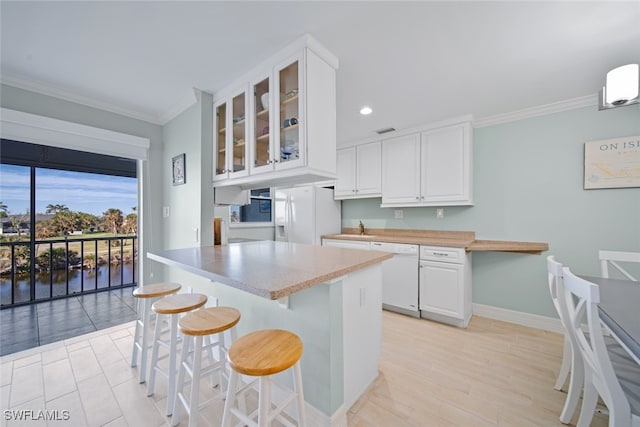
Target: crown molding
56, 92
540, 110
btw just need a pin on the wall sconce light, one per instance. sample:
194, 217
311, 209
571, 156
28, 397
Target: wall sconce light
621, 87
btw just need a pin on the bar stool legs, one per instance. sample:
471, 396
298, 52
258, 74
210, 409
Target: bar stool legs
262, 354
171, 306
197, 329
146, 295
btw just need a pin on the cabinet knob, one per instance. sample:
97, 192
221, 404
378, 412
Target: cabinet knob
417, 197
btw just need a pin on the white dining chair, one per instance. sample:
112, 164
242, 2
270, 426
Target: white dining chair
614, 258
571, 359
619, 388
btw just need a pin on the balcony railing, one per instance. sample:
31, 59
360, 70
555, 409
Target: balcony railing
65, 267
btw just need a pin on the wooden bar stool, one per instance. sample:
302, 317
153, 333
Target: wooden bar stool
195, 327
171, 306
262, 354
146, 296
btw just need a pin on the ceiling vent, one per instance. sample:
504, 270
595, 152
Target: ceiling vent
385, 130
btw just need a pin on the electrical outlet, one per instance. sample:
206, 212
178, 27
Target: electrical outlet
440, 213
398, 214
165, 211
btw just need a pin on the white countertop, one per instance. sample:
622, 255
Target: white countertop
269, 269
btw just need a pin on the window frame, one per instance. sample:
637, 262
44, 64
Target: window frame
256, 224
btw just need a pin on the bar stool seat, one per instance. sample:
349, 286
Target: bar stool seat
262, 354
195, 327
147, 295
171, 306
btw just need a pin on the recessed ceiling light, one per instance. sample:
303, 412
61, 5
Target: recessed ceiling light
366, 111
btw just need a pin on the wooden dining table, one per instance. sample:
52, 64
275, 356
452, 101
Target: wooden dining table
619, 311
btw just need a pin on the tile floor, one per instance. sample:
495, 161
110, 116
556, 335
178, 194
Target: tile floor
87, 381
46, 322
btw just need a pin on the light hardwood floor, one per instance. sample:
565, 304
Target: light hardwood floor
490, 374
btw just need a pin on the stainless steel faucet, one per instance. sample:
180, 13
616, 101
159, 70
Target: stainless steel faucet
361, 225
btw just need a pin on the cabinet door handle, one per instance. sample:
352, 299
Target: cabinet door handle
440, 254
417, 198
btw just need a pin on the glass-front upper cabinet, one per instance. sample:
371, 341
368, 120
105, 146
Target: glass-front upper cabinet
290, 120
230, 136
220, 141
239, 150
262, 135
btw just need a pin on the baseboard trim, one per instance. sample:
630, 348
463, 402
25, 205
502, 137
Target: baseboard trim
520, 318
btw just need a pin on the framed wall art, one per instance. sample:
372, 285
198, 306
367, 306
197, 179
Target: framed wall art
612, 163
178, 168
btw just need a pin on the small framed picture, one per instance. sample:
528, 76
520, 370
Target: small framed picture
178, 168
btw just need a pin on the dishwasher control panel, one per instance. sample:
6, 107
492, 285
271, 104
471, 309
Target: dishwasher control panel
443, 254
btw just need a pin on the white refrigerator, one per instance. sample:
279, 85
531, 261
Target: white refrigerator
303, 214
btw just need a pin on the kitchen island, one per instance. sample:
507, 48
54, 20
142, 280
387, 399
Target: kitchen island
330, 297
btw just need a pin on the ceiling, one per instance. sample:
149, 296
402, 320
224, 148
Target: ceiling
412, 62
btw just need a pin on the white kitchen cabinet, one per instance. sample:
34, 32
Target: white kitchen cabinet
230, 136
429, 168
445, 285
359, 171
446, 165
291, 132
401, 170
362, 330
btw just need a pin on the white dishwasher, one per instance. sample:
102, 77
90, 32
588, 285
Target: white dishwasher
400, 277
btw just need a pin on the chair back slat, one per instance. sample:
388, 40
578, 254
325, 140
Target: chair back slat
613, 258
579, 300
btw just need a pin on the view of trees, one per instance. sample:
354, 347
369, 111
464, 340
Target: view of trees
65, 222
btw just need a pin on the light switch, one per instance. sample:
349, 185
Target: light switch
165, 211
440, 213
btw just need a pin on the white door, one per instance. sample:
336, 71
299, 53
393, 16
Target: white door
301, 216
281, 214
401, 169
368, 169
445, 165
442, 288
345, 172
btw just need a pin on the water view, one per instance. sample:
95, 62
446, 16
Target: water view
81, 235
79, 280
